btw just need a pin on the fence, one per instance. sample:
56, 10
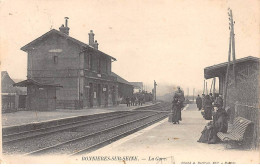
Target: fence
8, 103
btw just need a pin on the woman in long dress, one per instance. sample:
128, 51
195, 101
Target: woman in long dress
175, 115
208, 108
219, 124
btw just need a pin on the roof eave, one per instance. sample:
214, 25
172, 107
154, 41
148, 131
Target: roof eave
27, 82
26, 47
220, 69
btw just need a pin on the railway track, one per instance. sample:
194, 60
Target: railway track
14, 137
163, 106
83, 136
78, 145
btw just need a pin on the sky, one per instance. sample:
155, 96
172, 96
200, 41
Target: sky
163, 40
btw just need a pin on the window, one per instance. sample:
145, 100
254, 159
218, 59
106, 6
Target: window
109, 66
55, 59
106, 61
90, 61
99, 65
87, 61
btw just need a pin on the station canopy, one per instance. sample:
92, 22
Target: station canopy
220, 69
27, 82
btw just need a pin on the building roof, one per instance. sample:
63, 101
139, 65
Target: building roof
7, 85
27, 82
120, 79
216, 70
84, 45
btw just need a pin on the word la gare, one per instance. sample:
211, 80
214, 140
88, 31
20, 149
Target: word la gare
156, 158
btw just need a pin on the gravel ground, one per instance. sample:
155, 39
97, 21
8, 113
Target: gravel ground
84, 143
64, 127
36, 143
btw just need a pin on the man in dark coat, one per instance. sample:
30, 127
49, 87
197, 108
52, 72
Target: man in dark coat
132, 100
199, 102
127, 99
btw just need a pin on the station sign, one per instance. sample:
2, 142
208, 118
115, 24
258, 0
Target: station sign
55, 50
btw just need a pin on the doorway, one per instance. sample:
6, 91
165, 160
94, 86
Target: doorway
90, 95
99, 91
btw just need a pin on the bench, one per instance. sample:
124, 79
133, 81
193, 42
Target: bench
239, 133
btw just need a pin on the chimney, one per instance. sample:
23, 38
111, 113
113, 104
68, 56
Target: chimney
96, 45
91, 38
65, 29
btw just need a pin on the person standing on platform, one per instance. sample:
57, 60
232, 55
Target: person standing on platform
136, 101
133, 100
203, 99
175, 116
211, 97
180, 96
208, 108
127, 101
140, 100
199, 102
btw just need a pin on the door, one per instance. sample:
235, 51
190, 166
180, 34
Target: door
113, 95
99, 91
22, 101
106, 95
90, 95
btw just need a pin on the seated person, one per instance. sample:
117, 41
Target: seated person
219, 124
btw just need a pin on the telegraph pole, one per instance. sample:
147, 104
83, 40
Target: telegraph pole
193, 94
204, 87
188, 93
214, 85
232, 34
154, 89
231, 50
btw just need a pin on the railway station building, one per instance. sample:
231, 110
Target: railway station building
242, 90
125, 88
82, 70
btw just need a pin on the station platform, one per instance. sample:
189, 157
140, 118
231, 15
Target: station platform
28, 117
167, 143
